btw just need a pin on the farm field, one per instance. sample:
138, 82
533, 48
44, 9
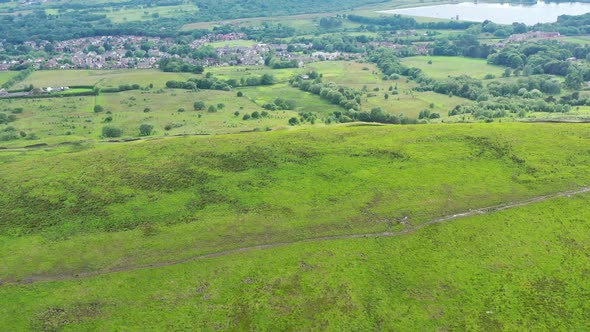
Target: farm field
306, 102
6, 75
233, 43
101, 78
366, 75
147, 13
584, 40
443, 67
70, 119
114, 207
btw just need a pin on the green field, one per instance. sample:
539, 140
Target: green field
366, 75
114, 207
6, 75
233, 43
69, 119
306, 102
584, 40
443, 67
126, 205
147, 13
101, 78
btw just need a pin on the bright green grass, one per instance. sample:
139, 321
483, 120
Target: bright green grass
365, 75
142, 14
145, 202
233, 43
306, 102
102, 78
305, 24
520, 269
584, 40
55, 120
280, 75
443, 67
6, 75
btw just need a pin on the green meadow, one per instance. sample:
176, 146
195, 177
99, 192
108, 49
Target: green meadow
170, 112
119, 207
443, 66
148, 13
6, 75
367, 76
233, 217
150, 201
102, 78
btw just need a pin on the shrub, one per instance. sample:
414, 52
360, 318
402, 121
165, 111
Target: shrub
246, 116
293, 121
240, 94
145, 129
98, 109
109, 131
199, 105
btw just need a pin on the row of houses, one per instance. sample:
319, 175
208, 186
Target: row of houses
520, 37
91, 53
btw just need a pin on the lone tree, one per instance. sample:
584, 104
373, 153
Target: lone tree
146, 129
199, 105
293, 121
98, 109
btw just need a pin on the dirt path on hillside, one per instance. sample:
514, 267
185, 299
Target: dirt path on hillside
411, 229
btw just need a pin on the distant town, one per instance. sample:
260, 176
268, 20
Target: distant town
137, 52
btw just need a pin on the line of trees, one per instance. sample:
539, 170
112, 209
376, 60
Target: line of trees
209, 82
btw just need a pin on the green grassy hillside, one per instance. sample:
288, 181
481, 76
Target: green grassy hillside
520, 269
153, 201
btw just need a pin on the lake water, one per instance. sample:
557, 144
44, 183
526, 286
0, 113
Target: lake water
496, 12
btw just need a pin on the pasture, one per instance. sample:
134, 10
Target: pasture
68, 119
118, 14
223, 192
55, 120
102, 78
123, 206
443, 67
6, 75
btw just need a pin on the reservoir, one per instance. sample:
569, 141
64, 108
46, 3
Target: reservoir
502, 13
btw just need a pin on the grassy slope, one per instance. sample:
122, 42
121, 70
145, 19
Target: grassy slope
146, 202
521, 269
443, 66
407, 102
56, 120
59, 120
6, 75
102, 78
